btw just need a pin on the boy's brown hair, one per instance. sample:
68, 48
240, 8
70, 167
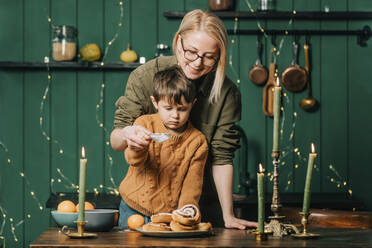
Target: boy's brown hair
172, 84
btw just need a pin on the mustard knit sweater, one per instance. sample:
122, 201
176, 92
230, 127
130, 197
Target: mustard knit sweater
167, 175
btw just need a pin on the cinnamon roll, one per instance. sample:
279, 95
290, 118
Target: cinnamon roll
155, 227
161, 218
178, 227
187, 215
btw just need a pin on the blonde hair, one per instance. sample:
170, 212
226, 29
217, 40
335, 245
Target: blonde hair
199, 20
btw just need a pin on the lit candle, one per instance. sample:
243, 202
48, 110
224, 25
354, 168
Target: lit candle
277, 95
82, 180
261, 199
310, 165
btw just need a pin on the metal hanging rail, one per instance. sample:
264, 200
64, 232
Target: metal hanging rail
283, 15
363, 34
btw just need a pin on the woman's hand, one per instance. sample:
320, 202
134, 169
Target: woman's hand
223, 178
137, 137
233, 222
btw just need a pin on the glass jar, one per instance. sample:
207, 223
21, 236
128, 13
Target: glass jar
218, 5
266, 5
64, 43
162, 50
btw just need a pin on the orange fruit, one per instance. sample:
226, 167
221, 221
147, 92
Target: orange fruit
135, 221
87, 206
66, 207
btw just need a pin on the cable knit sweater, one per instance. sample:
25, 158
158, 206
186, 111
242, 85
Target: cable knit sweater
167, 175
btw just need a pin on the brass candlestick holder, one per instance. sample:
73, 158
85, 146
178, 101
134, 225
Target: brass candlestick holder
275, 226
305, 234
80, 234
260, 236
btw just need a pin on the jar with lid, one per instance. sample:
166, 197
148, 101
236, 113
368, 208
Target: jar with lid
266, 5
162, 50
220, 5
64, 43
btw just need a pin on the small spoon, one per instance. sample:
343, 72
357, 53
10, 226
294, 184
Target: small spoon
160, 137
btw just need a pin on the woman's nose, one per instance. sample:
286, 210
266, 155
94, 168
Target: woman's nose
198, 61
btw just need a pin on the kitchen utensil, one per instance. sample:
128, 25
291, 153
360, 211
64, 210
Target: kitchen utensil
258, 74
309, 103
160, 137
294, 77
268, 92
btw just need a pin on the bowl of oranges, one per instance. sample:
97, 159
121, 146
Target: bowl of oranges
98, 220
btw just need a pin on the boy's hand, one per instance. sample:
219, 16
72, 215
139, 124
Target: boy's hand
137, 137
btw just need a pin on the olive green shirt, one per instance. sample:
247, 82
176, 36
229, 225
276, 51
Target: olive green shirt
216, 121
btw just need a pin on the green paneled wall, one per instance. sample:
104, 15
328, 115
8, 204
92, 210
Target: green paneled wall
79, 101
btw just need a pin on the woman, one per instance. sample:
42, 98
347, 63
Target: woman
200, 46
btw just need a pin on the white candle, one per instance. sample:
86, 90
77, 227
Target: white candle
82, 181
276, 133
307, 191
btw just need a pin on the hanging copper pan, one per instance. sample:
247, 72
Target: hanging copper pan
294, 77
258, 74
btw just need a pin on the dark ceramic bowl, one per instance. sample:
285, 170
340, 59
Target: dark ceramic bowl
97, 220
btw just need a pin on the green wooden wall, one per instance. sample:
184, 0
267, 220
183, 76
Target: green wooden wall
32, 167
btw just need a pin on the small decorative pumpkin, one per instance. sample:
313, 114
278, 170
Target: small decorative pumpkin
128, 55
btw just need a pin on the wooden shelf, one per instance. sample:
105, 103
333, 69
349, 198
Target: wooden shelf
283, 15
70, 65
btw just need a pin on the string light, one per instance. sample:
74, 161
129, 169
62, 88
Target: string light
235, 74
116, 33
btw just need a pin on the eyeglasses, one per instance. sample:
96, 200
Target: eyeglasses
192, 56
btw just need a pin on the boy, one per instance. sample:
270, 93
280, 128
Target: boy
168, 175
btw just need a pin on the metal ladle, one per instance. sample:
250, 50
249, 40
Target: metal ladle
309, 103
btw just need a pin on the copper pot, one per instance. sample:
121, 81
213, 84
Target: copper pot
258, 74
294, 77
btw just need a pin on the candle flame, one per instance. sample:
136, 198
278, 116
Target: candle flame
312, 148
260, 168
277, 82
83, 152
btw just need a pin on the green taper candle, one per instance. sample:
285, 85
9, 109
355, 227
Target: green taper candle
82, 180
307, 191
276, 128
261, 199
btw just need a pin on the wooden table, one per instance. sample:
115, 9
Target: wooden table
223, 238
